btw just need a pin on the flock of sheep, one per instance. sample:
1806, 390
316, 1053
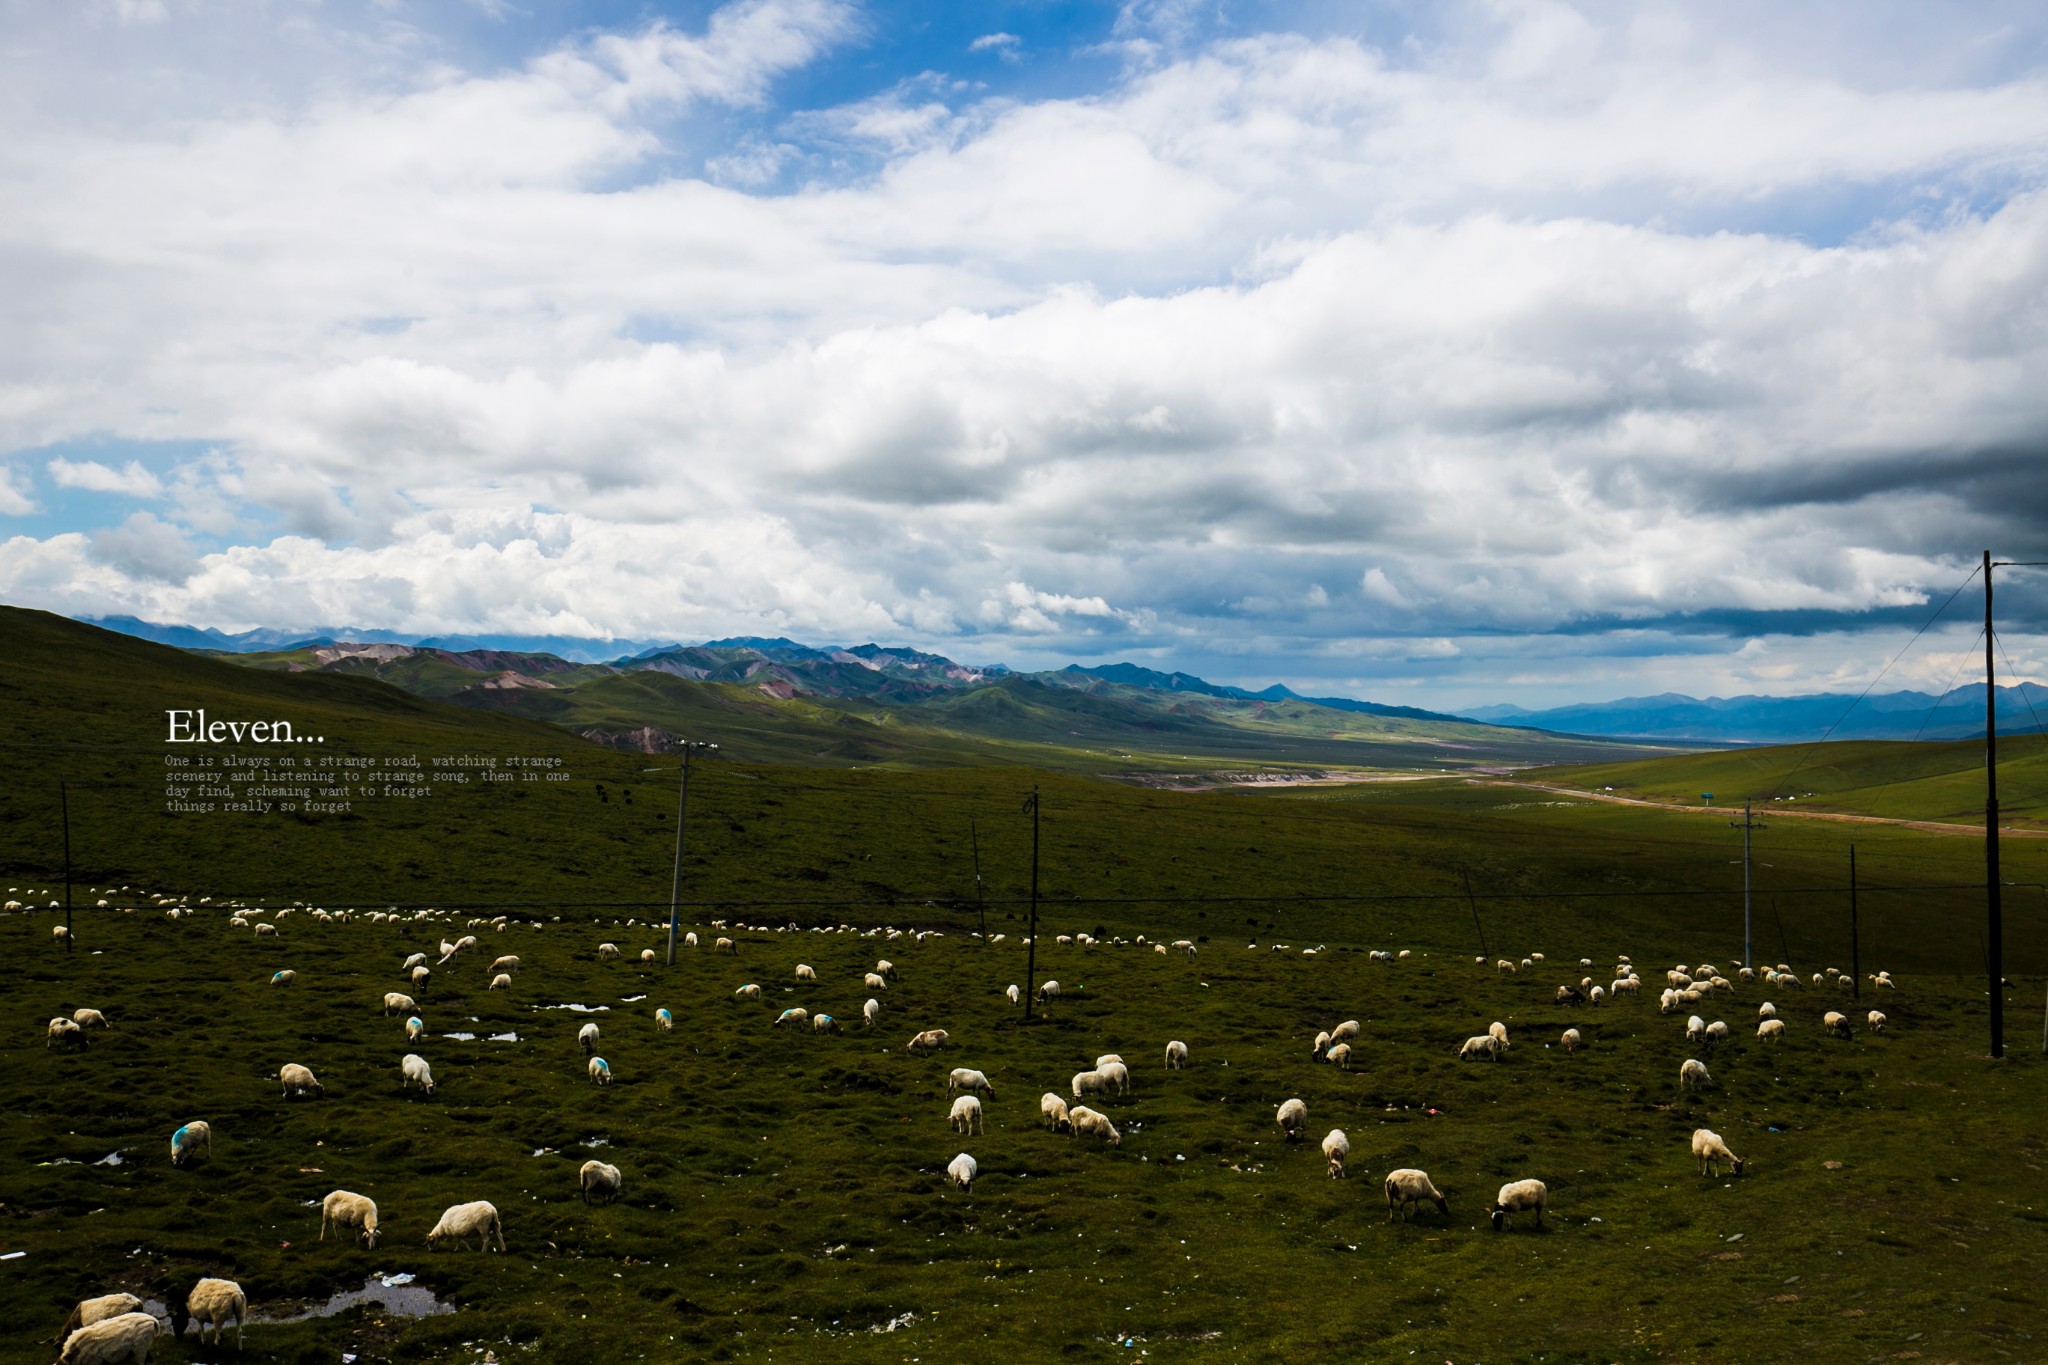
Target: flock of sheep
112, 1328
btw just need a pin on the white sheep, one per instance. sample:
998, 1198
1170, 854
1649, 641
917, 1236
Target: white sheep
501, 981
1693, 1075
798, 1015
1767, 1010
346, 1209
122, 1339
930, 1040
420, 977
1711, 1151
961, 1170
1499, 1033
1884, 979
1292, 1116
1014, 994
963, 1078
690, 939
726, 945
1480, 1045
1053, 1109
586, 1038
1407, 1188
297, 1080
870, 1012
283, 978
1336, 1147
1571, 1041
1771, 1030
1344, 1032
64, 1032
1089, 1083
264, 930
805, 972
461, 1221
1114, 1075
415, 1029
1339, 1056
1837, 1023
607, 951
824, 1023
395, 1003
211, 1303
1320, 1045
190, 1140
647, 956
413, 1071
873, 981
1047, 993
1716, 1034
664, 1021
600, 1071
1520, 1196
886, 968
750, 991
90, 1311
1876, 1021
1176, 1055
1106, 1058
1598, 995
507, 963
1695, 1029
599, 1182
965, 1116
1085, 1122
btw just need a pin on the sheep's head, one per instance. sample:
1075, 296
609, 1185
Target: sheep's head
1499, 1218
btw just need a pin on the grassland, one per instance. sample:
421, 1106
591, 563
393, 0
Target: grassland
784, 1193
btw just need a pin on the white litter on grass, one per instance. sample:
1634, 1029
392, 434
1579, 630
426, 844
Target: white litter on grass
461, 1037
580, 1009
502, 1038
110, 1159
631, 999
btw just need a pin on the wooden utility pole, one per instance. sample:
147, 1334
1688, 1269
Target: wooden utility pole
1031, 939
1994, 963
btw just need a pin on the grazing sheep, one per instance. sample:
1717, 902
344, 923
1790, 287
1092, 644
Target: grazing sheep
1499, 1033
413, 1071
599, 1182
297, 1079
600, 1071
66, 1032
750, 991
1106, 1058
1837, 1023
1693, 1075
394, 1003
930, 1040
90, 1311
415, 1028
1292, 1116
1339, 1056
283, 978
873, 981
1407, 1188
1089, 1083
805, 972
1884, 979
961, 1170
647, 955
1571, 1040
262, 930
501, 980
1047, 993
965, 1116
1715, 1035
346, 1209
1320, 1046
1876, 1021
886, 968
1085, 1122
870, 1012
1053, 1109
1014, 994
962, 1078
1597, 995
799, 1015
461, 1221
1771, 1029
1176, 1055
664, 1021
586, 1038
1520, 1196
607, 951
189, 1140
420, 976
1570, 995
690, 939
1711, 1151
211, 1303
1344, 1032
1335, 1148
1695, 1029
1767, 1010
1115, 1075
1505, 967
507, 963
1625, 985
416, 960
726, 945
1480, 1045
824, 1023
123, 1339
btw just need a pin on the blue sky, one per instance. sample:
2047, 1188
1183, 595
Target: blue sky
1436, 353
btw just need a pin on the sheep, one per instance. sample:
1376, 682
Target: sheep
1693, 1075
1292, 1116
1407, 1188
599, 1182
1695, 1029
1176, 1055
961, 1170
1625, 985
500, 981
211, 1303
1767, 1010
930, 1040
1884, 979
873, 981
664, 1021
600, 1071
415, 1028
647, 956
886, 968
805, 972
189, 1140
1771, 1030
1047, 993
870, 1011
750, 991
420, 976
263, 930
1519, 1196
1876, 1021
607, 951
1106, 1058
460, 1221
965, 1117
1335, 1148
297, 1079
726, 945
964, 1078
507, 963
1014, 994
1085, 1122
586, 1038
1505, 967
1089, 1083
1571, 1040
1837, 1023
1499, 1033
1597, 995
690, 939
346, 1209
413, 1071
1711, 1151
66, 1032
1053, 1109
1319, 1046
824, 1023
1480, 1045
1570, 995
1715, 1035
1344, 1032
799, 1015
122, 1339
1339, 1056
396, 1003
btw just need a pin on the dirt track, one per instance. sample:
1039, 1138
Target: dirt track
1777, 810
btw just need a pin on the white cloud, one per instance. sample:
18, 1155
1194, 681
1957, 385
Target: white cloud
15, 499
132, 479
1007, 46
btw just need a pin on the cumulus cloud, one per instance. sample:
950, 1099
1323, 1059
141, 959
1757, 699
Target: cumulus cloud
132, 479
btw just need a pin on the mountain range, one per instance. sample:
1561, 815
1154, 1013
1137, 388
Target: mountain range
1957, 714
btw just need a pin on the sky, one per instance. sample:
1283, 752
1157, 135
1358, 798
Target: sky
1441, 354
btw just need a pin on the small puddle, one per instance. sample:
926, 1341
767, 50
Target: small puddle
395, 1294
